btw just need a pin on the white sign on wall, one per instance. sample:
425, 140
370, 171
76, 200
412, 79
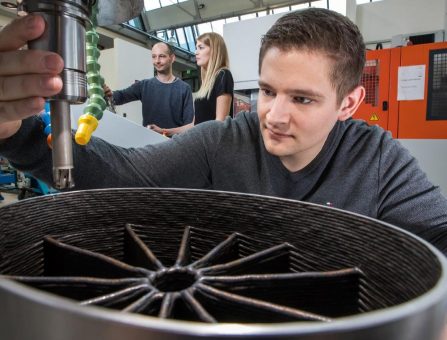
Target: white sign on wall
410, 82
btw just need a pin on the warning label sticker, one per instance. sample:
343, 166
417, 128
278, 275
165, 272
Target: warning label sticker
374, 117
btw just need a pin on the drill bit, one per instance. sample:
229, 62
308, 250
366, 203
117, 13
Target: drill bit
62, 151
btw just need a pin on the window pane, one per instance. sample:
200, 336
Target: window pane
319, 4
233, 19
151, 4
338, 6
280, 10
190, 38
136, 23
359, 2
165, 3
195, 30
217, 26
172, 39
262, 14
204, 28
181, 38
300, 6
162, 35
248, 16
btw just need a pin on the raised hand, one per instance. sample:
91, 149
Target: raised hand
107, 91
26, 76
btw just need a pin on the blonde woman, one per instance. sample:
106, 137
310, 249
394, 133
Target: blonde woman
214, 100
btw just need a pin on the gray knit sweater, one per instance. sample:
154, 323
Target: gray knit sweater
360, 169
167, 105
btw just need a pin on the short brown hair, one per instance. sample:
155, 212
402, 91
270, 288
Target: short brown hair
321, 30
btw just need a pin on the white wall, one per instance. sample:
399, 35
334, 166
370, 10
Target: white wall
383, 19
243, 40
433, 163
121, 66
108, 66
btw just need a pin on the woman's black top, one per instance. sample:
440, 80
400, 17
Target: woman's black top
205, 109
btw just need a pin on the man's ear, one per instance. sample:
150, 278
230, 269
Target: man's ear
351, 103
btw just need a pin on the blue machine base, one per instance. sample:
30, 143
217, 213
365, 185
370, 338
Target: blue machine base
7, 178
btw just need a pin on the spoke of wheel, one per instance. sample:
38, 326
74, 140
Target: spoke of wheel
223, 249
78, 288
197, 307
65, 260
167, 306
270, 260
184, 254
260, 278
143, 302
117, 297
259, 305
81, 280
334, 294
138, 253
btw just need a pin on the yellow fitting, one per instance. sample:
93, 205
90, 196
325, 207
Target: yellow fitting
86, 125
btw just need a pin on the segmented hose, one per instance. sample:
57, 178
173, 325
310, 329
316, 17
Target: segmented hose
96, 103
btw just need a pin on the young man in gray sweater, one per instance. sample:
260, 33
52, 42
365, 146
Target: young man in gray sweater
301, 144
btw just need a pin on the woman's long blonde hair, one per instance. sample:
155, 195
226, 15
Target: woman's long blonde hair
218, 60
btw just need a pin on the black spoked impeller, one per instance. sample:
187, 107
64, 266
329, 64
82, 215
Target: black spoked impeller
240, 280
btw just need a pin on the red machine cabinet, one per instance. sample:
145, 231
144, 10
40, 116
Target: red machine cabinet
425, 118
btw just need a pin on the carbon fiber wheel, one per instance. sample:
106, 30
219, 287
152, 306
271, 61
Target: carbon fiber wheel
240, 266
239, 280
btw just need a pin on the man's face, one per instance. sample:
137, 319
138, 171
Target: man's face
161, 59
297, 105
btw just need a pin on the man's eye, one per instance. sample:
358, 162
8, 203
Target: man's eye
267, 92
302, 100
